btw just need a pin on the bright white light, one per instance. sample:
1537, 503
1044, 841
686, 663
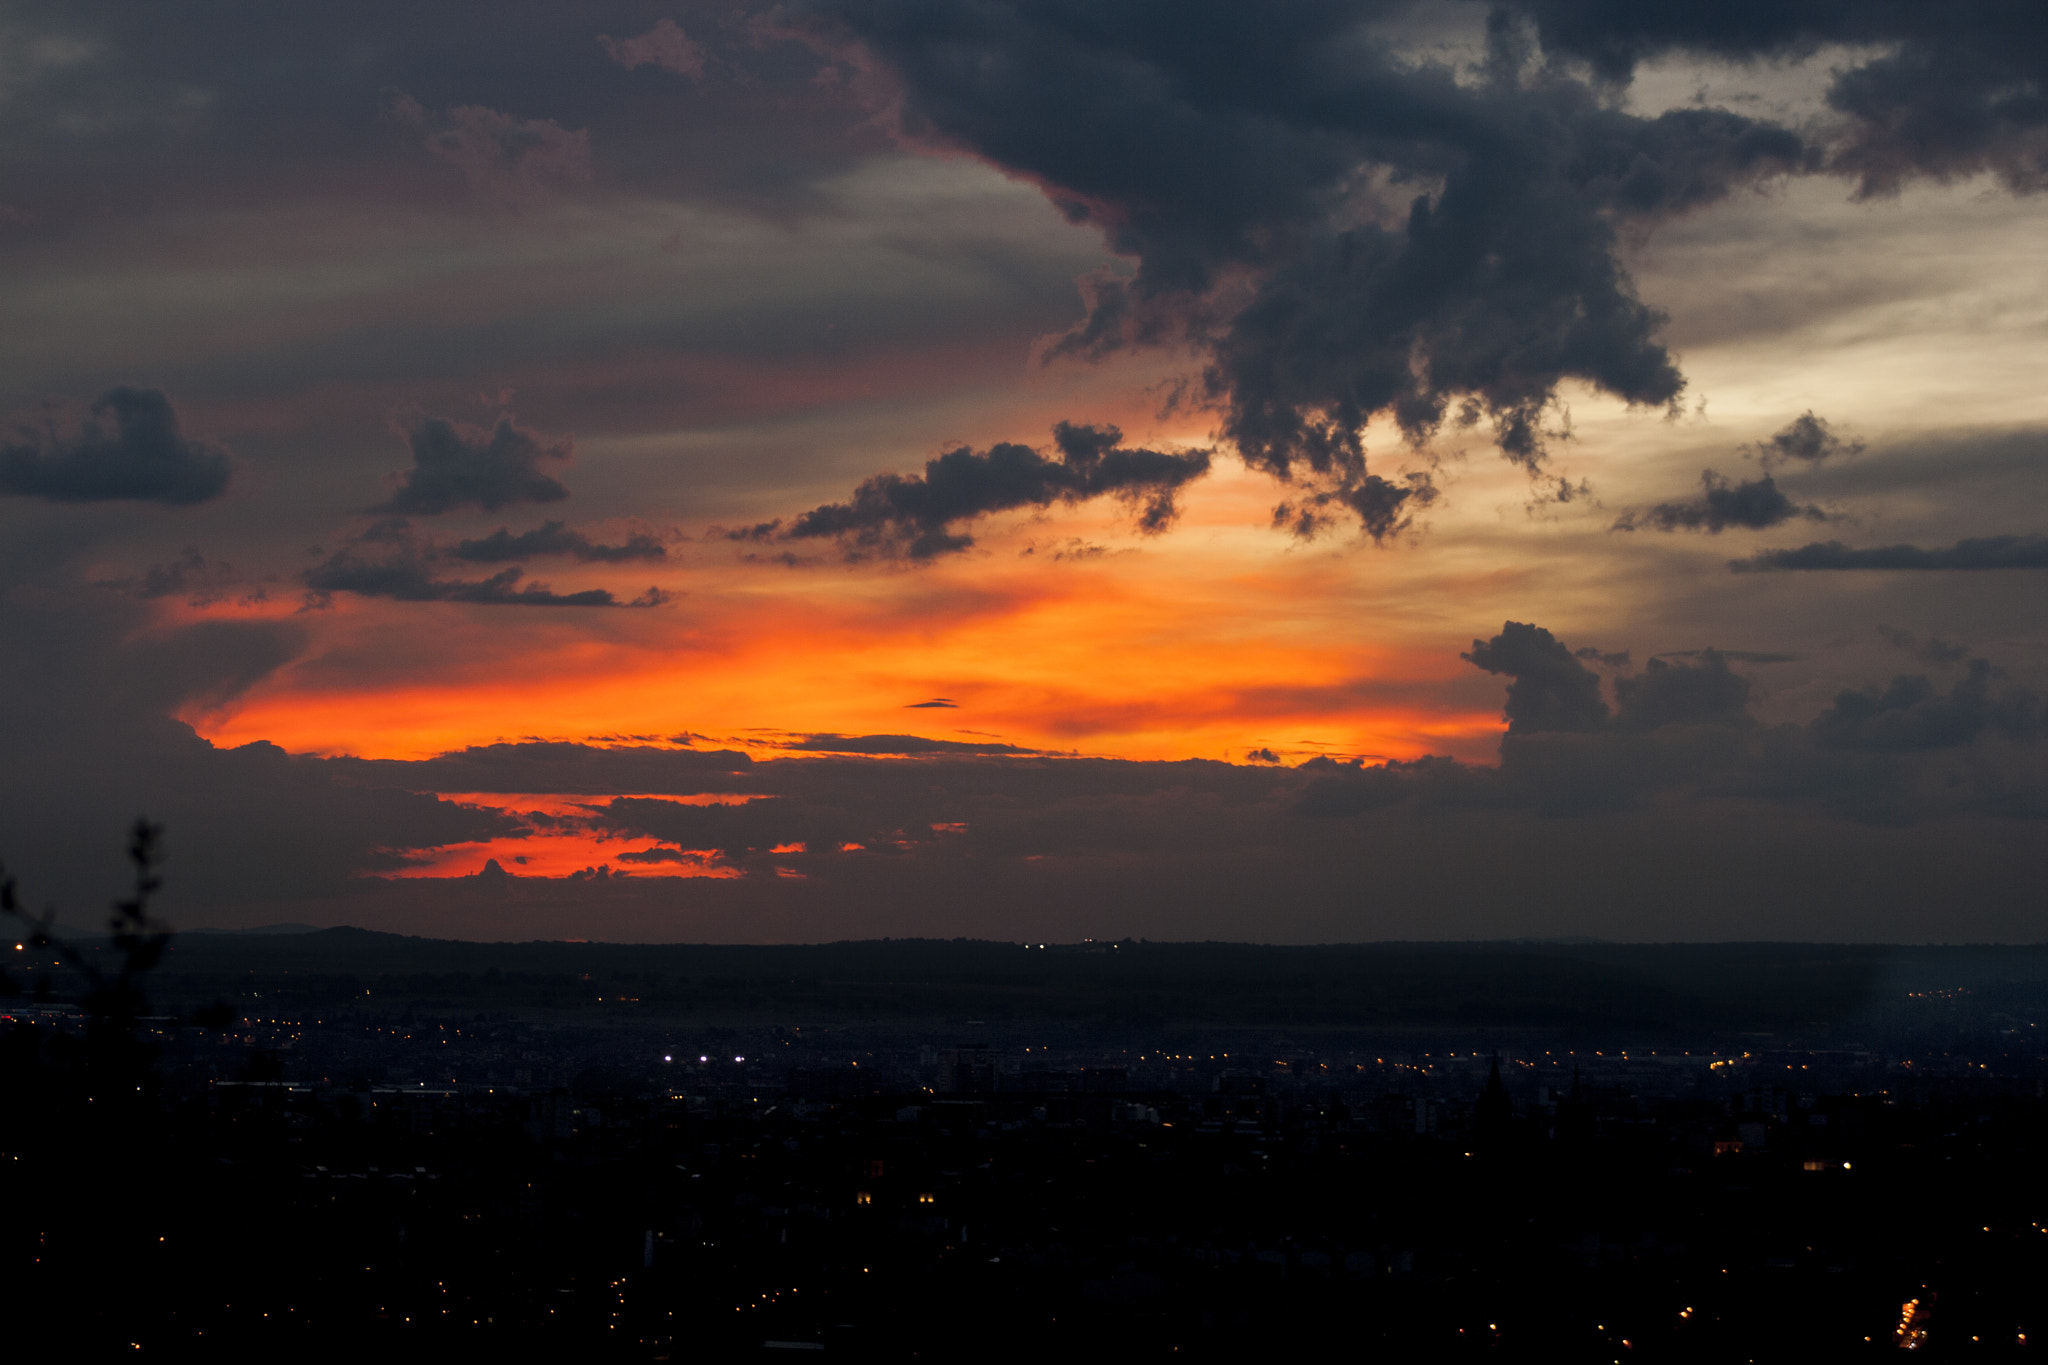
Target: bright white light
703, 1059
668, 1059
739, 1059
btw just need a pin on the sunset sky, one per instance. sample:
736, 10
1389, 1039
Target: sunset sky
1314, 472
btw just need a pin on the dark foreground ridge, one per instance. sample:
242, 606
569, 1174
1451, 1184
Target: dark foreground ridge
891, 1150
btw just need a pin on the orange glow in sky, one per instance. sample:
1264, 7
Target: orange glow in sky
1064, 633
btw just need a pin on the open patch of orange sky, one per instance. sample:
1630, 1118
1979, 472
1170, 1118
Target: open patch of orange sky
555, 855
1064, 632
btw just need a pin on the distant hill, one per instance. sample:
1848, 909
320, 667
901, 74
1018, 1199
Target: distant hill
1730, 987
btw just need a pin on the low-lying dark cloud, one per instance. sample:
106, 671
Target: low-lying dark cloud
1753, 504
457, 466
406, 573
1985, 552
1667, 693
916, 515
553, 538
1891, 754
898, 744
552, 766
127, 448
1909, 714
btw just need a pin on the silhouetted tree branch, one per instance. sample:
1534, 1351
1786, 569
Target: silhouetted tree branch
115, 1058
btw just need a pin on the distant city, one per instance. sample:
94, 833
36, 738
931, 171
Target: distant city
391, 1144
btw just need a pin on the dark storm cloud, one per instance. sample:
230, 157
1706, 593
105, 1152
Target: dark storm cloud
455, 466
128, 447
553, 538
1549, 688
1986, 552
1232, 150
1753, 504
1951, 90
912, 515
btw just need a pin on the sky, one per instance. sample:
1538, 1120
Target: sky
1337, 471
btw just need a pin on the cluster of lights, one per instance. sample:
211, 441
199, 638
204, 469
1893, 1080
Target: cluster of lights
1912, 1329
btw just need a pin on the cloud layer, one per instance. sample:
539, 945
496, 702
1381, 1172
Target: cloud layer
1982, 552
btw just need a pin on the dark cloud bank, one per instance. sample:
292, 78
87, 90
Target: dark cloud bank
1656, 805
1984, 552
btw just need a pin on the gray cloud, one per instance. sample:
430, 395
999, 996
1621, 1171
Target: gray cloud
457, 466
1549, 688
665, 46
1895, 754
129, 447
1666, 693
1909, 714
912, 515
553, 538
1807, 438
1932, 650
512, 157
1941, 91
1753, 504
1985, 552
